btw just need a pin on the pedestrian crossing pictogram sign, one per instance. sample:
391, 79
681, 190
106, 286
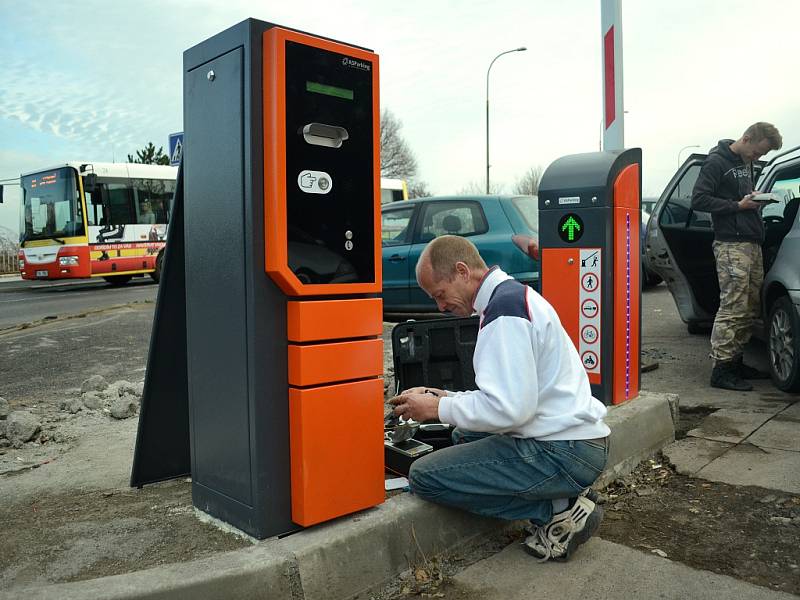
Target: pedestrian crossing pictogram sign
175, 148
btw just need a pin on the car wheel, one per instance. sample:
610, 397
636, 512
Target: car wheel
116, 280
784, 345
156, 275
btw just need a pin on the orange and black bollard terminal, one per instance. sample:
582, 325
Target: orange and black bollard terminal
282, 276
589, 237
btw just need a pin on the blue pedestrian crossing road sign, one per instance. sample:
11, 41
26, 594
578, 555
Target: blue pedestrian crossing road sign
175, 148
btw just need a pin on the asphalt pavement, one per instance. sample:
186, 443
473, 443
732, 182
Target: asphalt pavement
24, 301
52, 355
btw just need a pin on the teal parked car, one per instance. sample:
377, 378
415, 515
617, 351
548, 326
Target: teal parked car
503, 228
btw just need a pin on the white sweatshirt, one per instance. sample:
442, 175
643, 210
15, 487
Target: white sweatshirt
531, 383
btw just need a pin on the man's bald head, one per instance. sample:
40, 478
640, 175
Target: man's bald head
443, 253
450, 270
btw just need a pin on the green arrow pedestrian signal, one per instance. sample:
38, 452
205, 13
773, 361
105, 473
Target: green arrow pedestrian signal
570, 225
570, 228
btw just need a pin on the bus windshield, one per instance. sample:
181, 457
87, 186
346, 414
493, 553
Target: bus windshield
51, 206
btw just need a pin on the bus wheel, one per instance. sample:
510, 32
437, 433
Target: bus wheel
156, 275
116, 280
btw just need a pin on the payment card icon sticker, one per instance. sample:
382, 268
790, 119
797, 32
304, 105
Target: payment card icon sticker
570, 228
589, 308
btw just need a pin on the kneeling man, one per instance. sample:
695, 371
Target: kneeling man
531, 439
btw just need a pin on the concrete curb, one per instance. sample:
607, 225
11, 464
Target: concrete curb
638, 429
353, 554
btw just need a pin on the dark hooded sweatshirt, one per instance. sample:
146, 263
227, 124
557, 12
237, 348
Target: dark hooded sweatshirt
725, 179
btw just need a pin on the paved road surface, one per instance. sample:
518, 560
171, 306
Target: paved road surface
31, 301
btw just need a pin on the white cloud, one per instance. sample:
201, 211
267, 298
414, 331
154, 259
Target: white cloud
103, 79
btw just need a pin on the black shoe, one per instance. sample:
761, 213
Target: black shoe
746, 371
725, 376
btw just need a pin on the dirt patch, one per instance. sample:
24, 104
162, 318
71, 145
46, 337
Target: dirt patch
691, 418
748, 533
744, 532
72, 537
432, 577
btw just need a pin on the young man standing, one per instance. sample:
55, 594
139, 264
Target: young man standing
531, 439
724, 188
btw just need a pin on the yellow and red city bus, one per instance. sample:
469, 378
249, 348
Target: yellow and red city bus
80, 220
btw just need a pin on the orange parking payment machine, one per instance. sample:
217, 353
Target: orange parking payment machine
282, 275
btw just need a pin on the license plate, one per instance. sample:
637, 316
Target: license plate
41, 273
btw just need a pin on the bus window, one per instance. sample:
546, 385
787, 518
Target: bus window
94, 211
50, 204
153, 199
120, 205
391, 196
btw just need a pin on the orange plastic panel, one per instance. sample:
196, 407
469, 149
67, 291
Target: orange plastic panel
627, 270
336, 442
275, 242
317, 320
561, 286
626, 188
316, 364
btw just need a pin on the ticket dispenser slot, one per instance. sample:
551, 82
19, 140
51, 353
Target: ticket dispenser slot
329, 136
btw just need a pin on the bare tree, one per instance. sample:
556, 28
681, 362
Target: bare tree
528, 184
418, 189
397, 159
478, 188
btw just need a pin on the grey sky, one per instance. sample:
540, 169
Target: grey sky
96, 80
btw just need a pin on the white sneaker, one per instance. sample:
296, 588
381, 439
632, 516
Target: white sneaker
589, 493
567, 530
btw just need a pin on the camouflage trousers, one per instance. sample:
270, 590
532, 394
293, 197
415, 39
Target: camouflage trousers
740, 271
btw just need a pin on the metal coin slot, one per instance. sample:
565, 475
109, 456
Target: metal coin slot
330, 136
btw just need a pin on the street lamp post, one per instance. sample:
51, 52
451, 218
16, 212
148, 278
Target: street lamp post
685, 148
520, 49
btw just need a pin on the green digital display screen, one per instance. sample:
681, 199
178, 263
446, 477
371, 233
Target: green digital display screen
570, 228
329, 90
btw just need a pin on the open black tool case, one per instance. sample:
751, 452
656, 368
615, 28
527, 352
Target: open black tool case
435, 353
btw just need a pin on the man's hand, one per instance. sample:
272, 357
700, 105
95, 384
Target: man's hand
415, 405
424, 390
747, 203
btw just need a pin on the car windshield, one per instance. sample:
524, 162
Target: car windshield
50, 205
528, 207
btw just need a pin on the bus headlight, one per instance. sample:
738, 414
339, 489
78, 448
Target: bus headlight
67, 261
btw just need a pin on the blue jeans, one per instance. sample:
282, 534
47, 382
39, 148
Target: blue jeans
505, 477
